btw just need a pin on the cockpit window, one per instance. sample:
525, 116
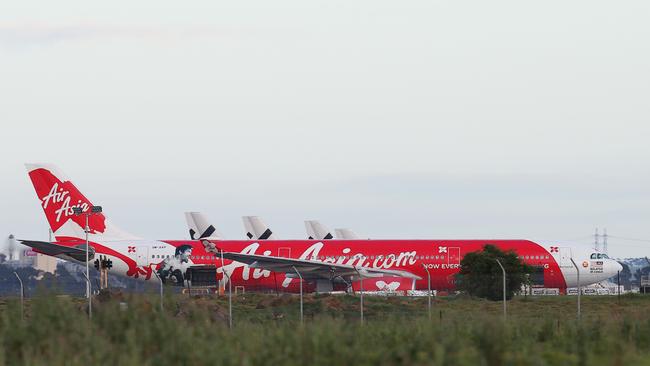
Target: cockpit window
599, 256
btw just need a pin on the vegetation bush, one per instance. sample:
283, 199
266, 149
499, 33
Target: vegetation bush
194, 331
481, 276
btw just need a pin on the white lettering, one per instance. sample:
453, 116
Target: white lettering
58, 195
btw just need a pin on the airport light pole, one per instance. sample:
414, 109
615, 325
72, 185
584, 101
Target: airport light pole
361, 291
429, 287
579, 288
223, 270
80, 211
90, 298
161, 290
505, 309
22, 297
301, 308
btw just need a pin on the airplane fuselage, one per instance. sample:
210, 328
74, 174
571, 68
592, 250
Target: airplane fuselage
553, 268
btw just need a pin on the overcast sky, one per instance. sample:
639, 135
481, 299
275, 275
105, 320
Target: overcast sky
399, 119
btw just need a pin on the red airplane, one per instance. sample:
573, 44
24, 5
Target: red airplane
272, 265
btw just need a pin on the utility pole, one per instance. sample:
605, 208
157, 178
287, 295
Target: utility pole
605, 241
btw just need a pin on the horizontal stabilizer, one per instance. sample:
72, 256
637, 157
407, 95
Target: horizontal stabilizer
75, 252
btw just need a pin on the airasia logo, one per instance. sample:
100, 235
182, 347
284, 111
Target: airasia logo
59, 199
314, 253
59, 196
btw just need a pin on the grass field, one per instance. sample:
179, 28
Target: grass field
131, 330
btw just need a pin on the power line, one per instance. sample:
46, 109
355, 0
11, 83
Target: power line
630, 239
617, 244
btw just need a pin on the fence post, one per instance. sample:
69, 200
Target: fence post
229, 291
429, 287
161, 290
618, 288
301, 308
361, 291
579, 287
22, 297
505, 310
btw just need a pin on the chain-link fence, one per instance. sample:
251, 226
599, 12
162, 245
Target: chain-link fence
68, 279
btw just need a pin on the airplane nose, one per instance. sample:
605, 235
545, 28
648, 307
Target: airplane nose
612, 268
618, 267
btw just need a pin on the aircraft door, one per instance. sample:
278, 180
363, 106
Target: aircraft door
284, 252
565, 257
453, 256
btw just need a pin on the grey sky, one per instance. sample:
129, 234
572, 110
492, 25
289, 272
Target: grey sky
419, 119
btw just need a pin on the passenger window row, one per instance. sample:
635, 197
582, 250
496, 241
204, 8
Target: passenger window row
527, 257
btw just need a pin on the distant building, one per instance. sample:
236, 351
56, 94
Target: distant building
10, 249
45, 263
20, 255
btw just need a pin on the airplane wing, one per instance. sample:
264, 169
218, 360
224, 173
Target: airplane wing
56, 250
312, 268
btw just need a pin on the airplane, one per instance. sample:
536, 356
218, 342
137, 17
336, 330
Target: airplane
200, 228
257, 229
266, 265
345, 233
316, 230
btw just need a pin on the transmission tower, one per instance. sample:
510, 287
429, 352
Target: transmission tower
596, 240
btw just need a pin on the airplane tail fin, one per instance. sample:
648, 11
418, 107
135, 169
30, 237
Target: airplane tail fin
317, 231
59, 197
347, 234
199, 226
256, 229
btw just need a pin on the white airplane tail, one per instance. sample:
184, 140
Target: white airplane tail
59, 198
200, 228
347, 234
317, 231
256, 229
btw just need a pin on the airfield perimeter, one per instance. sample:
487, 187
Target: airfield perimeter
132, 330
